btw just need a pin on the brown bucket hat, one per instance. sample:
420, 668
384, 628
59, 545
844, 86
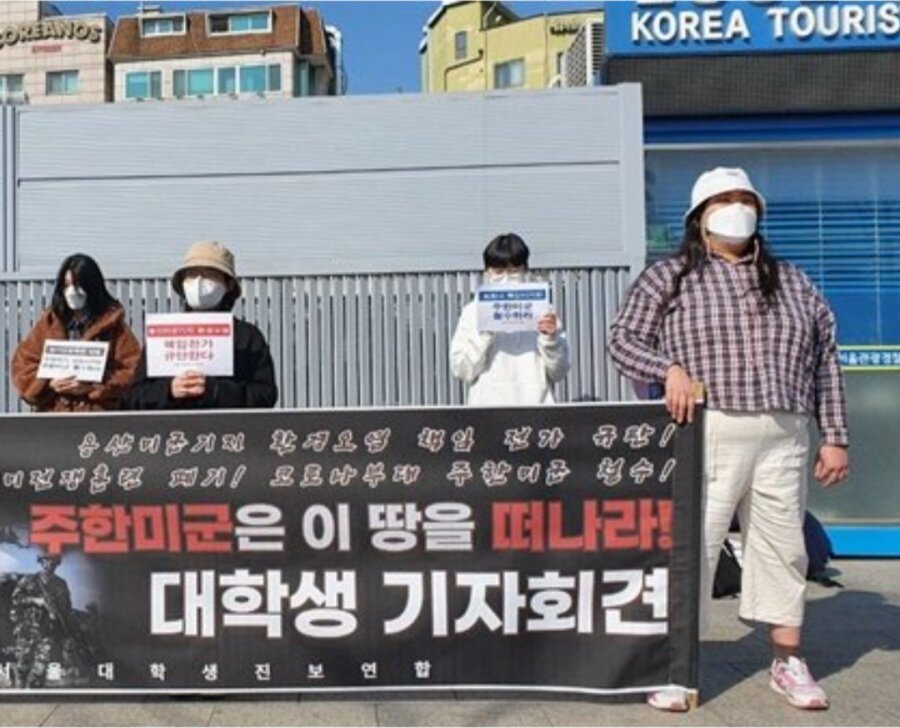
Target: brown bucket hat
207, 254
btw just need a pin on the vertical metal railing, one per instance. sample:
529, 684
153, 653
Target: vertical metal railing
359, 340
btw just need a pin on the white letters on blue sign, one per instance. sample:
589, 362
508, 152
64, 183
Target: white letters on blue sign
709, 22
688, 25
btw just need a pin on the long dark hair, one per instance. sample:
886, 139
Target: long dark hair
86, 274
695, 257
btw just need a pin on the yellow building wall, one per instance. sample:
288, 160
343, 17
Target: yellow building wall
537, 40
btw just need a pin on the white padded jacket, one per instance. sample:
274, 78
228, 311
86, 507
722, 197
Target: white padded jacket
502, 368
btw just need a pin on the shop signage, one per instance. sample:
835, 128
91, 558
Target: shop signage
867, 358
688, 27
50, 30
565, 28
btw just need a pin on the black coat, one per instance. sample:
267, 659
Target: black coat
251, 386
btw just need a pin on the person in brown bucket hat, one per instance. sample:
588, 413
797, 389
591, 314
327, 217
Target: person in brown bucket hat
207, 281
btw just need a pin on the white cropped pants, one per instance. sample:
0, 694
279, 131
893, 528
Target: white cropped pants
757, 464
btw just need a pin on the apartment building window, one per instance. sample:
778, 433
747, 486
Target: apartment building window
257, 79
240, 23
143, 85
196, 82
227, 80
171, 25
11, 85
253, 79
62, 83
510, 74
461, 45
274, 78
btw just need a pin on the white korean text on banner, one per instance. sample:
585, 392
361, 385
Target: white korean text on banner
447, 548
180, 342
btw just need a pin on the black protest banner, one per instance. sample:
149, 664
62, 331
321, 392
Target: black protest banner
446, 548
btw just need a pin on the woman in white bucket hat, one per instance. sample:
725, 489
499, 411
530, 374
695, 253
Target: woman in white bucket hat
754, 330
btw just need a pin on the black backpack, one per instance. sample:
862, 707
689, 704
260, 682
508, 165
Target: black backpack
727, 581
819, 550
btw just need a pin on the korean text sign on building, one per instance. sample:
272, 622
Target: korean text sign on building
179, 342
550, 548
671, 27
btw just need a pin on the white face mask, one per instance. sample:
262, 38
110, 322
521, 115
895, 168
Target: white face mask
733, 224
203, 294
76, 298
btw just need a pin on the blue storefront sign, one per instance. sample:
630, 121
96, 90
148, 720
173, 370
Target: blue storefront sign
867, 358
671, 27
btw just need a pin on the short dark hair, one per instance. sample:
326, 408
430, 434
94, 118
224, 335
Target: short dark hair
87, 275
506, 251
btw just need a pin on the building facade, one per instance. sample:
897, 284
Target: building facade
268, 52
50, 58
484, 46
805, 97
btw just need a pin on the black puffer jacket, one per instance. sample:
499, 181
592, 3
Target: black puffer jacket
251, 386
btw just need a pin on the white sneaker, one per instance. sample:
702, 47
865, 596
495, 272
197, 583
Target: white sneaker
793, 679
672, 700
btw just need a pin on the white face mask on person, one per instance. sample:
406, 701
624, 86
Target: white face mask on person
733, 224
203, 294
76, 298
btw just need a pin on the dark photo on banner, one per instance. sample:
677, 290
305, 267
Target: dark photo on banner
413, 549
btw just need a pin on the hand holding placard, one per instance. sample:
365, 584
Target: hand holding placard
188, 385
184, 343
78, 361
512, 306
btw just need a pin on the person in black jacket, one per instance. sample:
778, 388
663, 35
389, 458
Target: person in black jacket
207, 281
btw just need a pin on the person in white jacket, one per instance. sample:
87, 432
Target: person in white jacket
508, 368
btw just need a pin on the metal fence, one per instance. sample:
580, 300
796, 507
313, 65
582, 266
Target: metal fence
360, 340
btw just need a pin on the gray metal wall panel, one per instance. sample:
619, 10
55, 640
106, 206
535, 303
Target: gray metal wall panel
381, 184
426, 220
321, 135
7, 188
392, 350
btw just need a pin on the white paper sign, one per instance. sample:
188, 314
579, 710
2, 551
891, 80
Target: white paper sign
84, 360
512, 306
180, 342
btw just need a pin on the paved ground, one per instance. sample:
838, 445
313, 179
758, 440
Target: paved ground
853, 646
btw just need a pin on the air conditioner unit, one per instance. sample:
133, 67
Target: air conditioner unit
583, 62
13, 97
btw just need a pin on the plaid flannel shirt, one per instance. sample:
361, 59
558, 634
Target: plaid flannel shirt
750, 357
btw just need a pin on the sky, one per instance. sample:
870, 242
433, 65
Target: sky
381, 39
